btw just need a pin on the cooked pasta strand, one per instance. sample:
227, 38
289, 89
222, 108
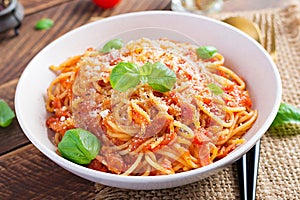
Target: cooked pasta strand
144, 132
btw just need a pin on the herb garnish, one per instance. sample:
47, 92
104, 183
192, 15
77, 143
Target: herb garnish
206, 52
112, 44
6, 114
287, 114
79, 146
127, 75
124, 75
44, 24
158, 76
287, 121
215, 89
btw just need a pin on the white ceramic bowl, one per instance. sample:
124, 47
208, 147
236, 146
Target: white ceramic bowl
242, 53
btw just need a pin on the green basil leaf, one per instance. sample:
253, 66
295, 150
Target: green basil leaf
112, 44
6, 114
206, 52
127, 75
159, 76
124, 75
215, 89
44, 24
146, 70
79, 146
287, 114
287, 121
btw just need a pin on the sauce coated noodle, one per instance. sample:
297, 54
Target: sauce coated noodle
145, 132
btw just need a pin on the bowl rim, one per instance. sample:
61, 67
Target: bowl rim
149, 179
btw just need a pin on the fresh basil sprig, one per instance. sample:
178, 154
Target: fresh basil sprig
215, 89
287, 121
112, 44
206, 52
124, 75
158, 76
287, 114
44, 24
127, 75
79, 146
6, 114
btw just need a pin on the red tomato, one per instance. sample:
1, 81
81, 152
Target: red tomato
106, 3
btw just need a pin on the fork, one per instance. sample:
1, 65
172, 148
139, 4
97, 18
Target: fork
248, 164
268, 32
247, 172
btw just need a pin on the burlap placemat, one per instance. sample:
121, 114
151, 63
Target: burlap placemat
279, 171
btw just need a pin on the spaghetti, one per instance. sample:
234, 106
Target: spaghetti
143, 131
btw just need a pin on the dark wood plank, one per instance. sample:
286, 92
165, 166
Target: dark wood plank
7, 91
33, 6
27, 174
12, 136
16, 52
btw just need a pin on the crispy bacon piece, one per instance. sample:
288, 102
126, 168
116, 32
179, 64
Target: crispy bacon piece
187, 113
204, 154
201, 136
158, 124
115, 162
97, 165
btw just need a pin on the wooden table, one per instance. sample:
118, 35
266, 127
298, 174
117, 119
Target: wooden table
25, 172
